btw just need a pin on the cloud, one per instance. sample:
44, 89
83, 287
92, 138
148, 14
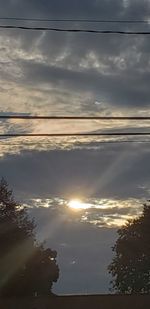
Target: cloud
113, 170
100, 212
120, 88
55, 72
87, 8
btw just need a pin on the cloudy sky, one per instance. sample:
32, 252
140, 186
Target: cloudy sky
80, 190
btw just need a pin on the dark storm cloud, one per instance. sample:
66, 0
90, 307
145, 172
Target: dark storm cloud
105, 173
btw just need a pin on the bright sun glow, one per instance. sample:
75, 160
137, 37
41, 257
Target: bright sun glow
75, 204
78, 205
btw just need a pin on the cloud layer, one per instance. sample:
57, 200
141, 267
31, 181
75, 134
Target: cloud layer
56, 72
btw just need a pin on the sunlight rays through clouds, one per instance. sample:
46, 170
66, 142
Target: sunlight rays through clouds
100, 212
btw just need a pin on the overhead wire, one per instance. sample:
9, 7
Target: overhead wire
75, 134
41, 117
29, 117
75, 30
81, 134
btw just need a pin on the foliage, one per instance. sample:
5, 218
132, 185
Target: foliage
26, 267
130, 268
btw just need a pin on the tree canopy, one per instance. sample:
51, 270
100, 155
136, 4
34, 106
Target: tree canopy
26, 267
130, 267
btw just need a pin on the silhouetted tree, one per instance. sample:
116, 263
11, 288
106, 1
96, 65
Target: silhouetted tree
130, 267
26, 267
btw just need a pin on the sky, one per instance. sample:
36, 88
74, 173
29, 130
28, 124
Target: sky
72, 74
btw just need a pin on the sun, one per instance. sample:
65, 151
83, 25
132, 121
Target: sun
75, 204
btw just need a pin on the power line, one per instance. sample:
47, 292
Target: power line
75, 134
32, 117
81, 20
76, 30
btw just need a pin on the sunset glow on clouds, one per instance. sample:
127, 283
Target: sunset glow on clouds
100, 212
